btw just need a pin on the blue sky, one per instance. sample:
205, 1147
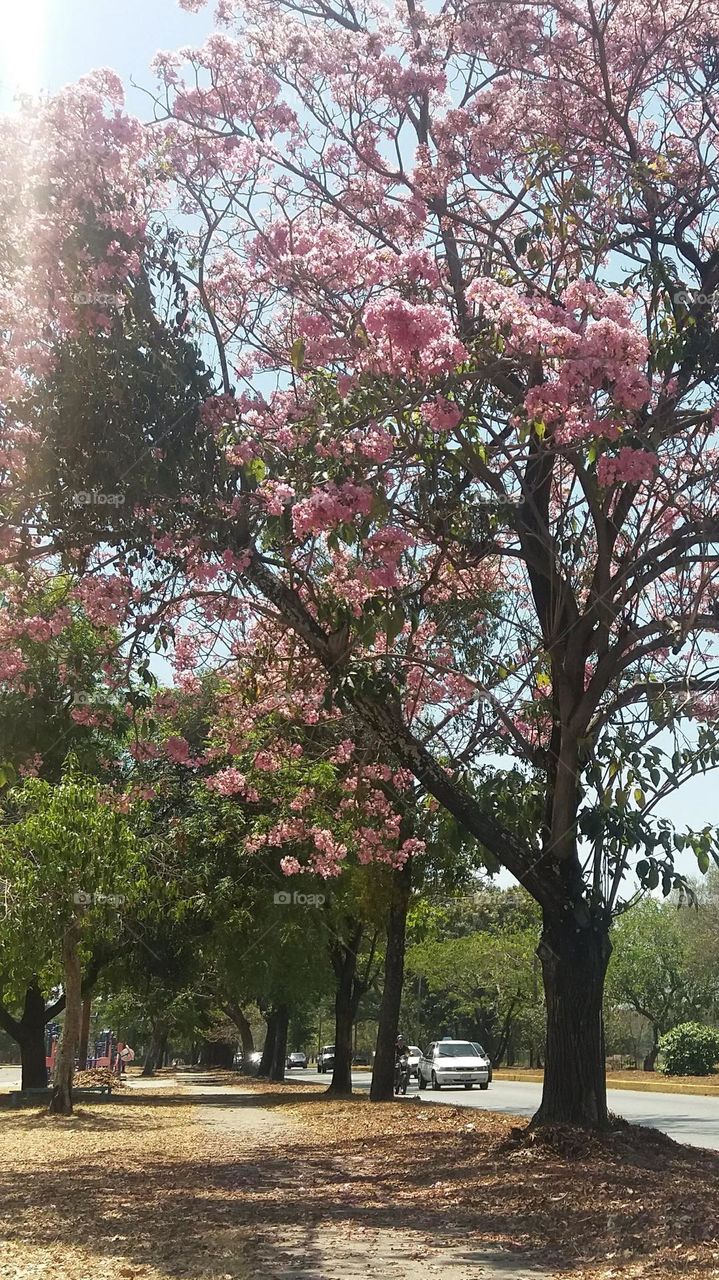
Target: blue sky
44, 44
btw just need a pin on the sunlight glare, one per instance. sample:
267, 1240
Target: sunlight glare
23, 33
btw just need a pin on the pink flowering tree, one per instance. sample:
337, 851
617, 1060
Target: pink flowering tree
454, 271
318, 808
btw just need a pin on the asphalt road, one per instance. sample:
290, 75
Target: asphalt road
685, 1117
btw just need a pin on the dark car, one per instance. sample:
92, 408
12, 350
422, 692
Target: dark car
296, 1059
326, 1058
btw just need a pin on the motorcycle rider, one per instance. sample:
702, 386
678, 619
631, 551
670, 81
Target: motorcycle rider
401, 1048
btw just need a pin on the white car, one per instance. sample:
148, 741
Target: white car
453, 1062
413, 1057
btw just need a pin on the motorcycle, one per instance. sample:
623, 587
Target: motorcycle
401, 1074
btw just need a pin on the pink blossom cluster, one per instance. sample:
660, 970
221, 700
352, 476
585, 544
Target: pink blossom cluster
230, 782
31, 766
629, 466
105, 598
330, 506
177, 749
416, 336
587, 343
12, 665
275, 496
91, 717
384, 550
441, 414
218, 412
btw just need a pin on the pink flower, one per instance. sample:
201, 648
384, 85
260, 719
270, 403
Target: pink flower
628, 466
178, 749
441, 414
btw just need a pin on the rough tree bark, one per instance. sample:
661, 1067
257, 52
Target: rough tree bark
152, 1057
237, 1015
382, 1087
84, 1033
350, 989
650, 1061
279, 1048
574, 951
28, 1032
61, 1100
268, 1051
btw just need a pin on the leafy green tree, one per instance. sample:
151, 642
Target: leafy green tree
65, 699
656, 970
66, 857
477, 959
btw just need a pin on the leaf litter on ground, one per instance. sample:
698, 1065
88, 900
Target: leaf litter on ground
149, 1189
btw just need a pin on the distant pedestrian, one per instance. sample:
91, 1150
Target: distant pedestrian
124, 1055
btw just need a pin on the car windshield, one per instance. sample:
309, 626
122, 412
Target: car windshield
458, 1050
415, 1050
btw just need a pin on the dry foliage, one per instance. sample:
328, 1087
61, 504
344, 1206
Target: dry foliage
93, 1077
239, 1183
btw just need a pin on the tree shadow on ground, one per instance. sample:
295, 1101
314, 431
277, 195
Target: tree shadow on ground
238, 1212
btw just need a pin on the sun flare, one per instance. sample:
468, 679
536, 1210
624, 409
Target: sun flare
23, 31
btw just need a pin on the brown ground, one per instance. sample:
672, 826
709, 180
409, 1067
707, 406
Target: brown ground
219, 1184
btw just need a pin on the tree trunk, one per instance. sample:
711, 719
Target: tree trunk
651, 1059
279, 1053
268, 1052
347, 998
28, 1032
61, 1100
241, 1022
382, 1087
84, 1033
217, 1053
31, 1038
152, 1057
341, 1082
162, 1055
574, 956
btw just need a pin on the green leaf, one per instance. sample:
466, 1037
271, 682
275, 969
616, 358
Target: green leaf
297, 354
394, 624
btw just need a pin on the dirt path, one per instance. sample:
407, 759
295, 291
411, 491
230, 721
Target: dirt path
339, 1242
